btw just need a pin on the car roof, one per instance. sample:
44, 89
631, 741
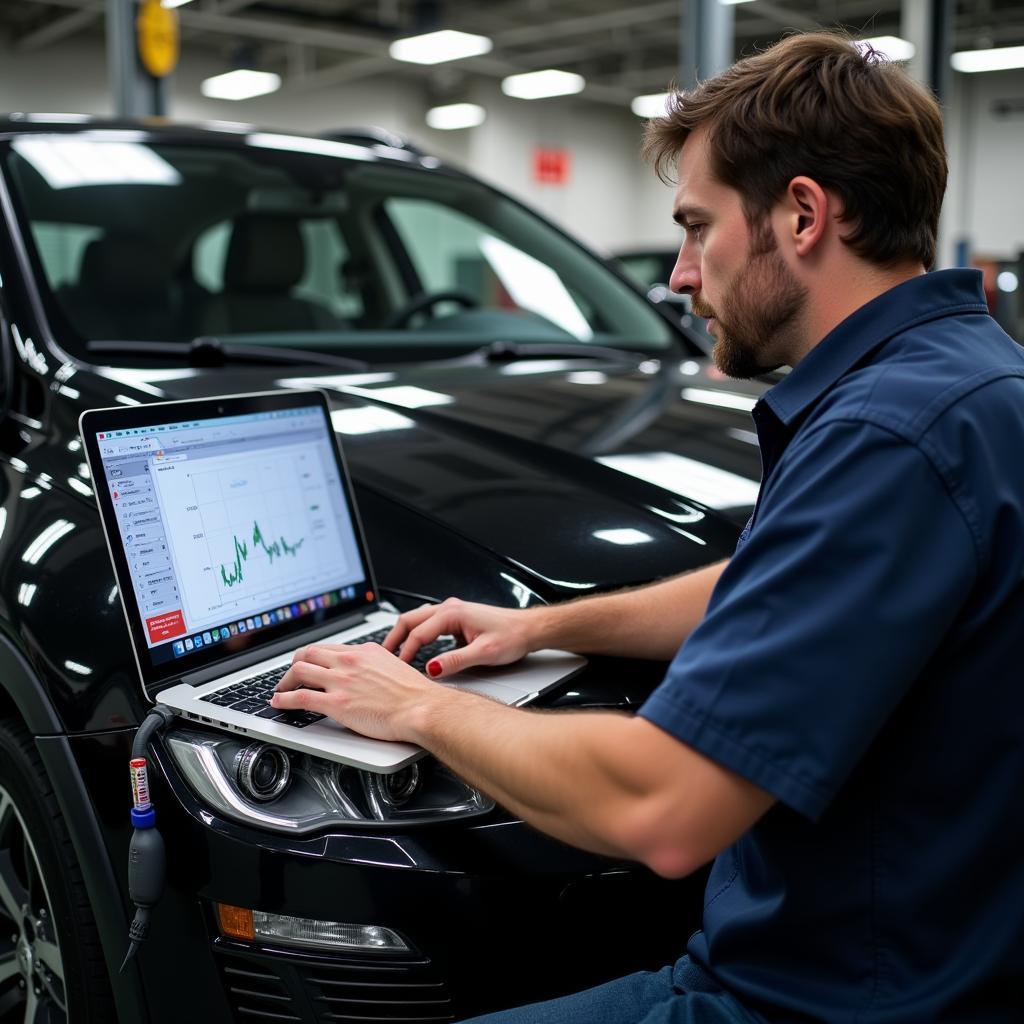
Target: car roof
360, 142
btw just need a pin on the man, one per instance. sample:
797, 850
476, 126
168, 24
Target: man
844, 727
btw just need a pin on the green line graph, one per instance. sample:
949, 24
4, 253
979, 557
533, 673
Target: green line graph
275, 549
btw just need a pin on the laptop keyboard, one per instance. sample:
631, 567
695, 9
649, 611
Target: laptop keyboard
251, 696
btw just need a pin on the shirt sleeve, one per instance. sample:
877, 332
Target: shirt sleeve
857, 562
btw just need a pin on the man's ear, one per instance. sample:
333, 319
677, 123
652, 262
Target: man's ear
806, 206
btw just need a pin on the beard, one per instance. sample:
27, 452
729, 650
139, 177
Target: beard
764, 311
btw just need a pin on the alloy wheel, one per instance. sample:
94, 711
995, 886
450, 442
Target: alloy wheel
32, 988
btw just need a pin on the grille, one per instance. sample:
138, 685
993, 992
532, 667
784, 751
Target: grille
258, 995
267, 987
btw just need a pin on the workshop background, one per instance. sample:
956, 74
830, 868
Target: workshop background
575, 156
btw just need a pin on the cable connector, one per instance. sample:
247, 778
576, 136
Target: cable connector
147, 859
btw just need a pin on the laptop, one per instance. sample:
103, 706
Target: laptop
235, 540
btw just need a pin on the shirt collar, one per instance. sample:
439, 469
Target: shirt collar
926, 297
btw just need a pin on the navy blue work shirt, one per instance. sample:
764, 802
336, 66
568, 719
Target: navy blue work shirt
861, 661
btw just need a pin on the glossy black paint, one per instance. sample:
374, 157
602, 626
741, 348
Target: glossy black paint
493, 494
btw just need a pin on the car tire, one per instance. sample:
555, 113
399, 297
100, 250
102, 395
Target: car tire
51, 960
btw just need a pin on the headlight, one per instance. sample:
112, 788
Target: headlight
262, 771
286, 791
387, 793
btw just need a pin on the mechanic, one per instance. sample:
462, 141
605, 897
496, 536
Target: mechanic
843, 728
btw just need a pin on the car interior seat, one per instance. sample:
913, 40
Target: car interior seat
265, 260
123, 292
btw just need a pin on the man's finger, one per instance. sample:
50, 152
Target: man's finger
304, 673
440, 624
480, 652
326, 655
406, 622
303, 700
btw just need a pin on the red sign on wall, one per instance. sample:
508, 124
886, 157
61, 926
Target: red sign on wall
551, 166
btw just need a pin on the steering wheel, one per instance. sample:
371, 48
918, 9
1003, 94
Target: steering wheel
427, 300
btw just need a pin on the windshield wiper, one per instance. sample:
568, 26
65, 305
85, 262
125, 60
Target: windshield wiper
510, 351
209, 351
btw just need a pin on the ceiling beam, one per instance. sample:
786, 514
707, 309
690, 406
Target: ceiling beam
587, 24
61, 28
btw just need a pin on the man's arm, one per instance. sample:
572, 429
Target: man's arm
607, 782
645, 622
604, 781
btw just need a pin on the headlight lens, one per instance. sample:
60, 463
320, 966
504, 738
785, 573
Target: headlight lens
286, 791
262, 771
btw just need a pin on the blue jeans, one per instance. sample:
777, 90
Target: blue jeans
680, 994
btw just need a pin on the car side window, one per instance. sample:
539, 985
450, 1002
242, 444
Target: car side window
61, 248
451, 251
208, 256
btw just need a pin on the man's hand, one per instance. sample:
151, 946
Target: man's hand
489, 636
360, 686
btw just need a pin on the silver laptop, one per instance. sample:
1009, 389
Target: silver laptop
235, 540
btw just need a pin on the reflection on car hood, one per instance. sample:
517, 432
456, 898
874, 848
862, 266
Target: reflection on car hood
583, 474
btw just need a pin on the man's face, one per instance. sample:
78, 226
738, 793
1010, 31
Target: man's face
733, 271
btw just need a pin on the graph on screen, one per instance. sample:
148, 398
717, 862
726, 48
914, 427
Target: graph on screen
251, 529
275, 549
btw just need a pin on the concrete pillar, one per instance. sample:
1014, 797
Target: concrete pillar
135, 93
705, 40
928, 24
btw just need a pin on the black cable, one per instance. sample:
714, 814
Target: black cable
147, 860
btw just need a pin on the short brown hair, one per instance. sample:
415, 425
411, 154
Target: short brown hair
817, 105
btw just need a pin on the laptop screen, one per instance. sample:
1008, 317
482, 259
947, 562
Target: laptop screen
233, 528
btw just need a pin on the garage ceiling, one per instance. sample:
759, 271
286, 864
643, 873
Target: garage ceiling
622, 49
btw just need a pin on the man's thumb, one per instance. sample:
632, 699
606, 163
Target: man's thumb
449, 663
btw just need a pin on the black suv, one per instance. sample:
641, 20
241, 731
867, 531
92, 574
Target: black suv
522, 427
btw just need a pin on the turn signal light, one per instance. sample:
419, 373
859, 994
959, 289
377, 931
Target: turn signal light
236, 922
280, 929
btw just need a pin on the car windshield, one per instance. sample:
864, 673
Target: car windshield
301, 242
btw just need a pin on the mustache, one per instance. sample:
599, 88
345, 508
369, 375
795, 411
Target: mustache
701, 308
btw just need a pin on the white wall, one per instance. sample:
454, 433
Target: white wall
985, 196
611, 200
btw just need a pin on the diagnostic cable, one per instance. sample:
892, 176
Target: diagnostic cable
147, 861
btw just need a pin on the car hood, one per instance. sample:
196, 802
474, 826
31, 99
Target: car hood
585, 475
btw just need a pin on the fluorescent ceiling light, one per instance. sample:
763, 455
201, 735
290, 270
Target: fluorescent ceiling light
626, 535
340, 381
242, 84
455, 115
715, 487
46, 540
300, 144
77, 485
176, 3
723, 399
587, 377
1002, 59
370, 420
405, 395
732, 3
537, 85
651, 105
71, 163
437, 47
890, 47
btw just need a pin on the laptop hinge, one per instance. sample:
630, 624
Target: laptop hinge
204, 675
